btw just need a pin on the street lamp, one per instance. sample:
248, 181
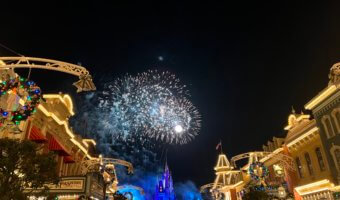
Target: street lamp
281, 192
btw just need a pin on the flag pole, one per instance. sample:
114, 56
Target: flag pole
221, 147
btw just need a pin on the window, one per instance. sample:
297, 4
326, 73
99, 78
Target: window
320, 159
232, 179
328, 127
309, 164
299, 166
337, 157
336, 118
335, 151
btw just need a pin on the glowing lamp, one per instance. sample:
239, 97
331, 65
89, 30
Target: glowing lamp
37, 91
281, 192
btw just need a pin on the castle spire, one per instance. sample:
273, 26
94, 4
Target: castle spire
165, 190
166, 167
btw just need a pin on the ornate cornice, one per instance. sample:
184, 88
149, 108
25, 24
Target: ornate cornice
327, 105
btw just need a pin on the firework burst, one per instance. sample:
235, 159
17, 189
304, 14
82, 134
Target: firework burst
152, 104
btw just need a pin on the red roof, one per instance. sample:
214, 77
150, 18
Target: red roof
54, 145
36, 135
69, 159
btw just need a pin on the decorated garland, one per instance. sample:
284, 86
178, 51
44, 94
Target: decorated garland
19, 98
253, 171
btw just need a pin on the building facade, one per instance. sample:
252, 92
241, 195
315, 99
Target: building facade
228, 182
278, 176
50, 128
326, 110
313, 143
304, 145
325, 107
307, 161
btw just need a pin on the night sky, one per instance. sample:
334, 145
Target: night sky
245, 64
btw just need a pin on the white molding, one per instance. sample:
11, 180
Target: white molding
324, 94
336, 120
326, 128
332, 151
328, 101
309, 132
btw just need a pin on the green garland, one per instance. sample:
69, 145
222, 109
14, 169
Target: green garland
27, 91
336, 195
255, 176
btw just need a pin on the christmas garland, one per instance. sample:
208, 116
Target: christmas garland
27, 90
255, 176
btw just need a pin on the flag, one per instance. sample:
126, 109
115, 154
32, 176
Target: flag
218, 145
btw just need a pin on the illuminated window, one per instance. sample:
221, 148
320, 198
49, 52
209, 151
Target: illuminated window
299, 166
309, 164
320, 159
328, 127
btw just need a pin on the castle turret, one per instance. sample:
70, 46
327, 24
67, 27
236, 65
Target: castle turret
164, 188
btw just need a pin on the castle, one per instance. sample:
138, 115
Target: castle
164, 188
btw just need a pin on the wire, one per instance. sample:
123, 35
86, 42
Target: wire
11, 50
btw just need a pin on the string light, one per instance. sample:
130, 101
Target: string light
29, 93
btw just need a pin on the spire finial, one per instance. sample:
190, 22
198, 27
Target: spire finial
166, 160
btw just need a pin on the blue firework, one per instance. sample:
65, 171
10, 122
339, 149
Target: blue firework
153, 104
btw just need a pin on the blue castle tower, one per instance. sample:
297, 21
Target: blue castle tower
164, 188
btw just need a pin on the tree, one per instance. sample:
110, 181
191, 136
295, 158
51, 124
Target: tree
118, 196
256, 195
22, 166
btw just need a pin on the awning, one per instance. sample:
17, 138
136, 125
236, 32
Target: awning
36, 135
69, 159
54, 145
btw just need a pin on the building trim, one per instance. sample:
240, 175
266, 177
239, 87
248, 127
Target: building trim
327, 104
278, 150
65, 99
292, 117
308, 133
320, 97
68, 131
319, 186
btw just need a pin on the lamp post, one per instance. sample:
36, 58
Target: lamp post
281, 192
107, 182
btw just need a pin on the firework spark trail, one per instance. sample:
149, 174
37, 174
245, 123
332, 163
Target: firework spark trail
129, 115
150, 103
